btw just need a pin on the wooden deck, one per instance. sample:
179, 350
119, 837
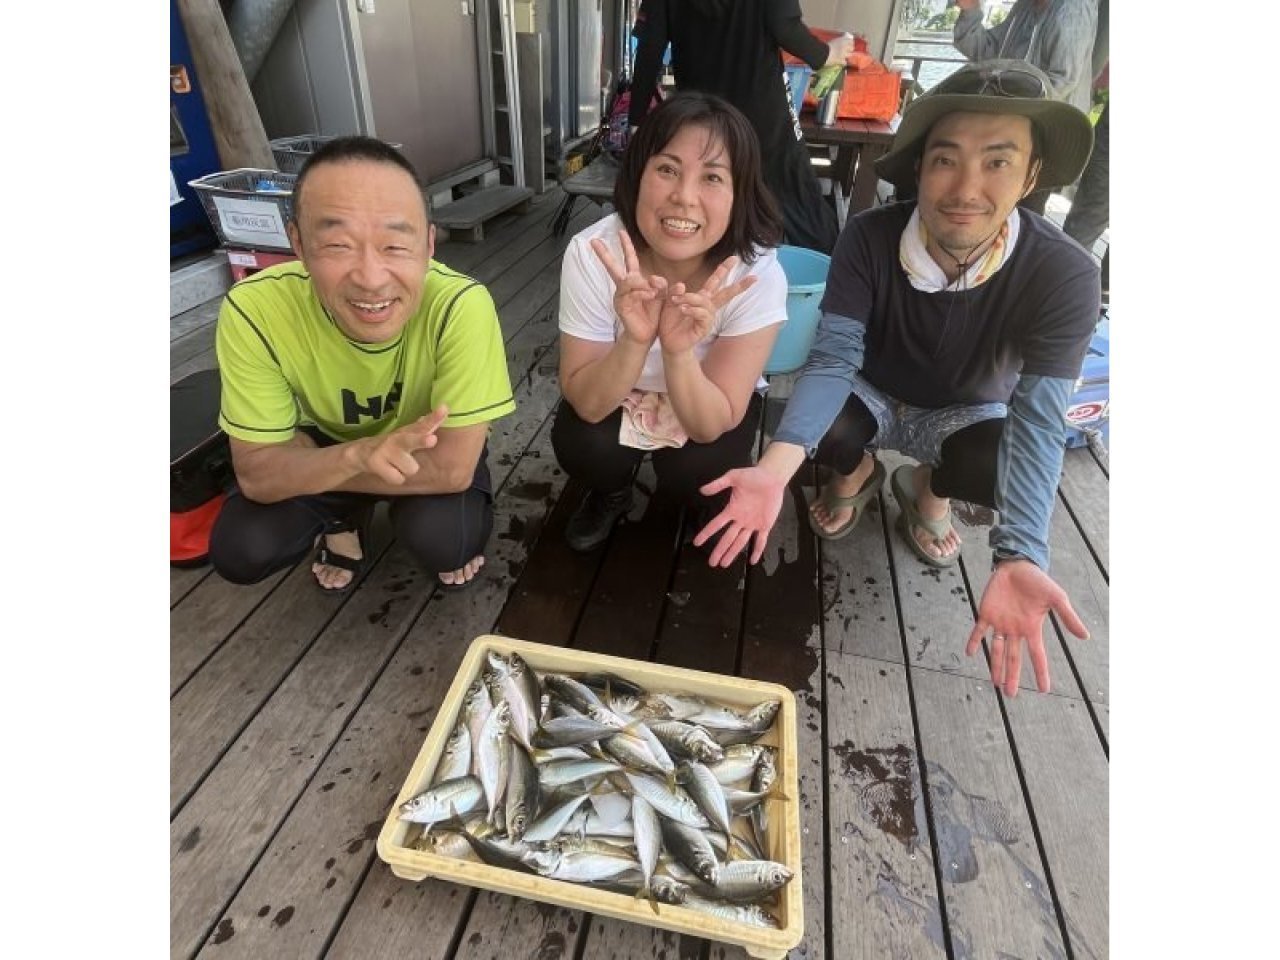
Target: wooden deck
940, 819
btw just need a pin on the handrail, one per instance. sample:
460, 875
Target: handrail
917, 59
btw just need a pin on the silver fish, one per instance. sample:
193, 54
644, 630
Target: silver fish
611, 683
571, 730
749, 914
559, 753
672, 802
520, 684
512, 855
707, 793
766, 776
687, 740
443, 801
691, 848
456, 761
495, 749
634, 753
588, 867
746, 880
648, 835
448, 843
743, 802
557, 773
523, 792
597, 826
551, 821
739, 764
759, 717
476, 707
670, 867
577, 695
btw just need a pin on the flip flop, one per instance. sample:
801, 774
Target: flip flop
903, 488
858, 501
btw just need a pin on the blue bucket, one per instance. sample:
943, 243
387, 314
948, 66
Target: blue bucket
806, 272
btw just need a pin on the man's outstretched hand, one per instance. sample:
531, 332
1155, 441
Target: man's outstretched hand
390, 457
1013, 608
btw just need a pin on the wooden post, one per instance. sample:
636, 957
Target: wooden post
237, 128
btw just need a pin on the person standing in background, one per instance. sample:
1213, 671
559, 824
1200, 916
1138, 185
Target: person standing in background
732, 48
1055, 35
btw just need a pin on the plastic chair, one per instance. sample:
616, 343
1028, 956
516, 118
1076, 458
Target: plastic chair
806, 272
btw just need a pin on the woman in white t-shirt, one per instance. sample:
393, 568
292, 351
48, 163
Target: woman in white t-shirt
668, 311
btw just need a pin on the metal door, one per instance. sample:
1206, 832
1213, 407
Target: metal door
422, 79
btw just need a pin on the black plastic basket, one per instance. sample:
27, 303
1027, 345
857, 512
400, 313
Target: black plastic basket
258, 224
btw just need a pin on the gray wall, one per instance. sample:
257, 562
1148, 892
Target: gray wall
307, 81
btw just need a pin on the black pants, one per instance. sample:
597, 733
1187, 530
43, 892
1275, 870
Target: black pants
590, 452
968, 468
809, 219
251, 540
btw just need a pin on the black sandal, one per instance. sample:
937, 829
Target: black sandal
356, 523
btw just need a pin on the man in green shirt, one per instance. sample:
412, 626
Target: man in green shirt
368, 371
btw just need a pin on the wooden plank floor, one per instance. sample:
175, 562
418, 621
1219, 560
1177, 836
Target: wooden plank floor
940, 819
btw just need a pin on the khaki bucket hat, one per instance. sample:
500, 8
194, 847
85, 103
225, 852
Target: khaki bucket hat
995, 86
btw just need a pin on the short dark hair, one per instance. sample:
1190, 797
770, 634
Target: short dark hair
350, 150
754, 219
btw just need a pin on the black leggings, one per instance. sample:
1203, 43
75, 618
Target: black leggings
251, 540
590, 452
968, 468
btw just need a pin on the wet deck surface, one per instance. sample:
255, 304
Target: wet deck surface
940, 819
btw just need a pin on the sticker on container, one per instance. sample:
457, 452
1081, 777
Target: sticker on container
251, 222
241, 259
1087, 412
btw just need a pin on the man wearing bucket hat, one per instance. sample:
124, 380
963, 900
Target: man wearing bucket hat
953, 328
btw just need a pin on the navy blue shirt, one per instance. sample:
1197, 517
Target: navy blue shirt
930, 350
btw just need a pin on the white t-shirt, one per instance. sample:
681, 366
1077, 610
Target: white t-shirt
586, 299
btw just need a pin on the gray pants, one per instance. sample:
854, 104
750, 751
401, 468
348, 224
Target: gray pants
1091, 209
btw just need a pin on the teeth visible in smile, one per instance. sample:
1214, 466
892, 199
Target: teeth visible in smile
372, 307
685, 226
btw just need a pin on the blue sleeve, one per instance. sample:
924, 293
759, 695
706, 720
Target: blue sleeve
1028, 467
824, 382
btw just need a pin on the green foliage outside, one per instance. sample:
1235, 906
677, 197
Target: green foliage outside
944, 21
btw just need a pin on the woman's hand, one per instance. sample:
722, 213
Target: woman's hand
687, 317
636, 298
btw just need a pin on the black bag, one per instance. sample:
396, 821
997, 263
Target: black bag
200, 472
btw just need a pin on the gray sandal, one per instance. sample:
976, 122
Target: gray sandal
857, 502
903, 491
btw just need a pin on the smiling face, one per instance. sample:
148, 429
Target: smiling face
974, 169
686, 197
364, 238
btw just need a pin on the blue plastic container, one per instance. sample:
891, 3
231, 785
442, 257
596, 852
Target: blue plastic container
806, 272
798, 75
1090, 404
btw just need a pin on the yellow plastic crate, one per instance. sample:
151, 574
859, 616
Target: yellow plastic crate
783, 845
